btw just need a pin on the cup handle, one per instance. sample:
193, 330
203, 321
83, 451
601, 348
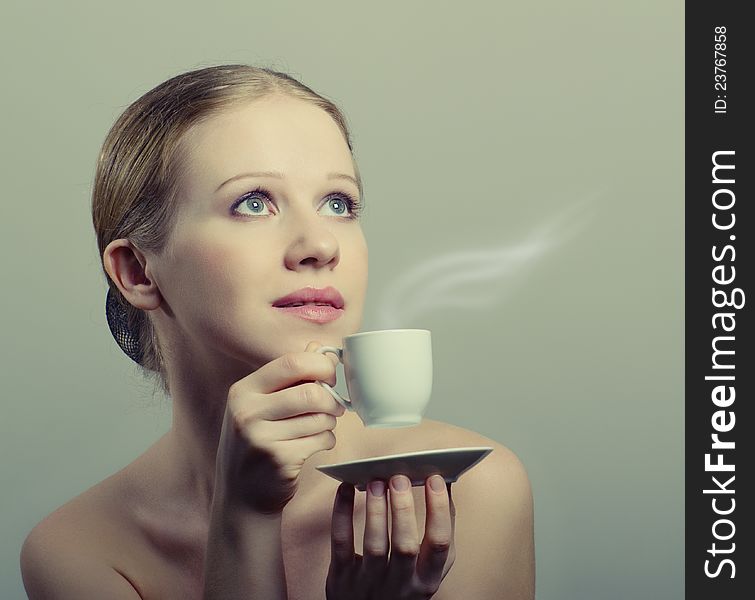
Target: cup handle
345, 402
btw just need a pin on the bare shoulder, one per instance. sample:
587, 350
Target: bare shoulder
501, 464
68, 553
494, 522
500, 475
501, 468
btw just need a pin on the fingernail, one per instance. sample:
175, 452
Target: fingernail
437, 483
377, 488
400, 483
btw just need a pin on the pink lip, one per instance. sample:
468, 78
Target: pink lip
328, 295
312, 312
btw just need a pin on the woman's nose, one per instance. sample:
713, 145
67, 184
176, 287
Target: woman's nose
313, 245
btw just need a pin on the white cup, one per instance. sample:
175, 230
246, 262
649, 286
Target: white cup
389, 375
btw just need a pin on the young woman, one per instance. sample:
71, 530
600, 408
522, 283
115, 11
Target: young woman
218, 194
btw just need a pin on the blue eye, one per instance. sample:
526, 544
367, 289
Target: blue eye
343, 204
339, 204
253, 203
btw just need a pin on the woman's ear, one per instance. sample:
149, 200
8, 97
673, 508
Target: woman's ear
127, 267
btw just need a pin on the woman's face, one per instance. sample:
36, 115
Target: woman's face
233, 252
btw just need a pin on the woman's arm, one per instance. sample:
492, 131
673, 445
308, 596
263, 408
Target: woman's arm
244, 556
273, 422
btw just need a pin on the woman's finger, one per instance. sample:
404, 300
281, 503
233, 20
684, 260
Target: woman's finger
301, 426
375, 532
294, 452
342, 529
301, 399
452, 552
287, 370
438, 540
404, 537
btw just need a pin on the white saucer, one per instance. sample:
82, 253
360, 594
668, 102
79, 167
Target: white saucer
450, 463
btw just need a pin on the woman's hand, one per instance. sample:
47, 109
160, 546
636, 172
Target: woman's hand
275, 419
412, 571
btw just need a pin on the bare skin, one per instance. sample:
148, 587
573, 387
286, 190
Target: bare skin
156, 538
144, 531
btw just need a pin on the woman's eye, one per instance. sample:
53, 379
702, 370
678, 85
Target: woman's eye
339, 205
252, 203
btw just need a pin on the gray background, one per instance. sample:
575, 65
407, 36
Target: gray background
530, 152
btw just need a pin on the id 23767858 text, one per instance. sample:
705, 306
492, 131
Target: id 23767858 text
719, 69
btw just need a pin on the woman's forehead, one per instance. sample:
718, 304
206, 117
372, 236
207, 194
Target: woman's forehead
264, 135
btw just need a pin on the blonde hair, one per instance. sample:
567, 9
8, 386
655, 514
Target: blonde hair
142, 161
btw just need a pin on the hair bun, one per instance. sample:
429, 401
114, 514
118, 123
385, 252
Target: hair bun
117, 320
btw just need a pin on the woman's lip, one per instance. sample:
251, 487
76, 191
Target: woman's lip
313, 312
329, 295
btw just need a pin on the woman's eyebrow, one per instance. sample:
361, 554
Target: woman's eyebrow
279, 175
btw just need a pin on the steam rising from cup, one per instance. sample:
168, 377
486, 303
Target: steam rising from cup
478, 279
